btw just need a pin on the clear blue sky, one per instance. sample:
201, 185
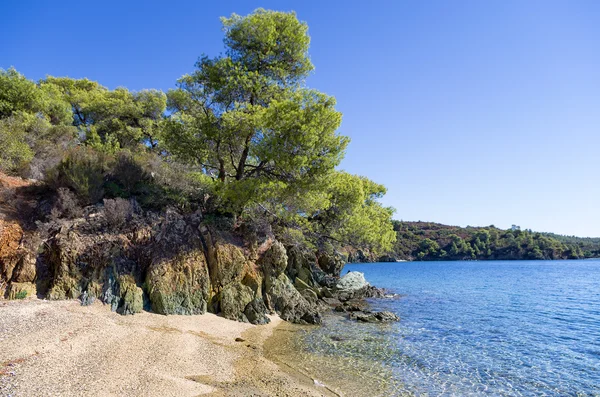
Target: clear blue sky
470, 112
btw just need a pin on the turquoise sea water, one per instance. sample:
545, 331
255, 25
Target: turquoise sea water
496, 328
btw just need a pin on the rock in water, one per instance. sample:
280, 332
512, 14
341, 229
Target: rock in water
378, 317
352, 281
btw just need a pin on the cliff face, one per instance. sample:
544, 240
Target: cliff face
170, 263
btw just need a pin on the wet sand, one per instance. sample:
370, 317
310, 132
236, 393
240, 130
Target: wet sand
60, 348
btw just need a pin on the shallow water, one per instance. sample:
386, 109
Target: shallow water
502, 328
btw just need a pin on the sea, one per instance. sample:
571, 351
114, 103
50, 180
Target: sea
467, 328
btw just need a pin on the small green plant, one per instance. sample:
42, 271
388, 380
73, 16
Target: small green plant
21, 295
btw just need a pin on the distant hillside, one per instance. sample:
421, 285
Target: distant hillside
433, 241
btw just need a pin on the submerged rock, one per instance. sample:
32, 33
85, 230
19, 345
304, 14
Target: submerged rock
350, 307
377, 317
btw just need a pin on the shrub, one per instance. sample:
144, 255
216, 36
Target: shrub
82, 170
66, 205
15, 153
118, 211
128, 172
49, 147
21, 295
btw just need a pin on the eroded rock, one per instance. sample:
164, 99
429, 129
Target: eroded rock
179, 285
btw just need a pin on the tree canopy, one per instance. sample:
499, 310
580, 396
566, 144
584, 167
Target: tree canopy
240, 136
248, 116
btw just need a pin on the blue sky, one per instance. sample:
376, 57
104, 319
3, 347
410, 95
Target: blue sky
470, 112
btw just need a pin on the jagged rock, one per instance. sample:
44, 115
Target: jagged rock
287, 301
299, 264
254, 280
179, 285
256, 311
21, 290
87, 299
352, 281
227, 264
233, 300
372, 292
331, 262
10, 239
378, 317
132, 300
121, 293
366, 292
325, 292
332, 301
275, 260
308, 292
301, 285
25, 269
310, 295
321, 278
62, 250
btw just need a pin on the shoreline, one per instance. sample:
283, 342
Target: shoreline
331, 357
61, 348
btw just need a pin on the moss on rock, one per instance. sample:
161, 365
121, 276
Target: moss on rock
21, 290
132, 296
180, 285
233, 299
275, 260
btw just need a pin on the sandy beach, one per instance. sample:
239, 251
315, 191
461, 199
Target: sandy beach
59, 348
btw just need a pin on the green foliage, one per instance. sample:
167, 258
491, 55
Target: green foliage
33, 125
15, 153
244, 118
21, 295
353, 215
82, 170
244, 139
17, 94
428, 241
113, 119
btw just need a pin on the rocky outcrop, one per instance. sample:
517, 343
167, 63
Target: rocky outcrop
21, 290
283, 298
171, 263
179, 285
387, 258
280, 294
331, 262
11, 235
255, 312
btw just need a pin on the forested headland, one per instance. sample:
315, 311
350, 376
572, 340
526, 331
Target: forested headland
429, 241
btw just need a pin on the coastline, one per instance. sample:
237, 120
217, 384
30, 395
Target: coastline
60, 348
